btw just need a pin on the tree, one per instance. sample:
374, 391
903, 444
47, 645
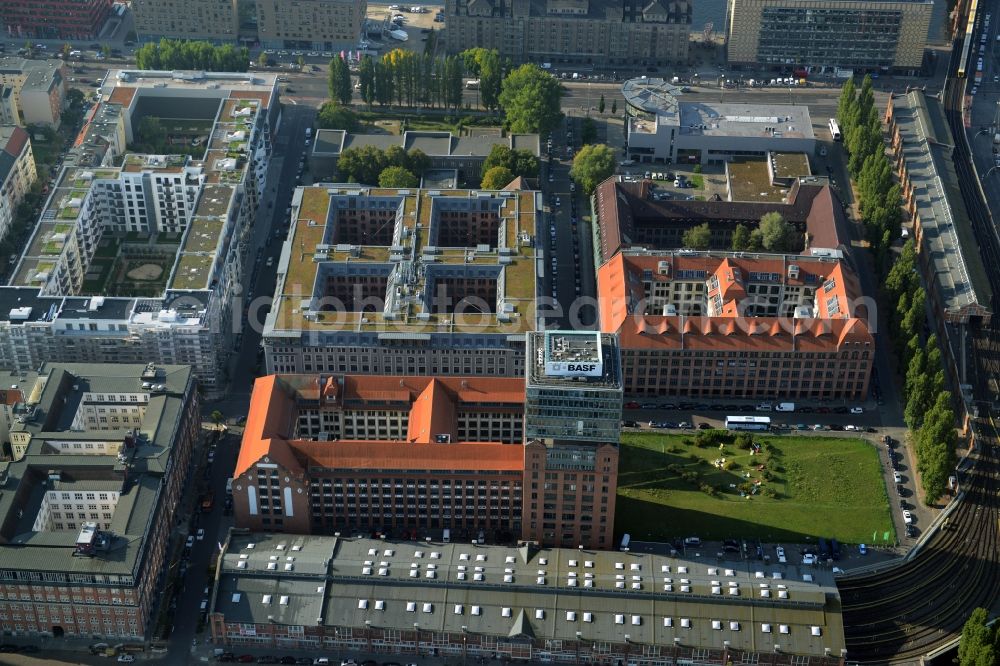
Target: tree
150, 131
588, 131
593, 164
362, 165
614, 106
600, 104
339, 81
201, 55
902, 278
417, 161
741, 238
262, 60
520, 162
366, 80
66, 48
217, 418
776, 234
106, 50
847, 102
913, 320
301, 62
936, 447
523, 163
530, 99
978, 644
497, 178
334, 116
698, 238
485, 64
397, 176
756, 241
384, 83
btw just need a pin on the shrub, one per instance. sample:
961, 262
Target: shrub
730, 465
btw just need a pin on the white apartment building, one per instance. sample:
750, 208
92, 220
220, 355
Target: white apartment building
143, 261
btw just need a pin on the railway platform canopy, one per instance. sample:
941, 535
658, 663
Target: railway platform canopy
922, 146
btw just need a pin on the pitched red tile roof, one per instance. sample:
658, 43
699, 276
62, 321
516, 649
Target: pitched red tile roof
272, 417
620, 305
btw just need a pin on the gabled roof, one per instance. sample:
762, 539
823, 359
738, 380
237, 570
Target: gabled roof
433, 404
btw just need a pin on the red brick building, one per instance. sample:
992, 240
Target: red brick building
411, 456
721, 325
54, 19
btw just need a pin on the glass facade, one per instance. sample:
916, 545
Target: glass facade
813, 37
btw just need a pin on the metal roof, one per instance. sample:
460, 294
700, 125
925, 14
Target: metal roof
544, 594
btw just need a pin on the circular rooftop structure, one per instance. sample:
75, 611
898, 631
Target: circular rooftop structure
654, 96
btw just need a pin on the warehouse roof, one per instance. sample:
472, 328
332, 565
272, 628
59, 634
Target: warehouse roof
530, 593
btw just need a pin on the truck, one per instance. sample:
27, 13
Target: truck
472, 84
785, 407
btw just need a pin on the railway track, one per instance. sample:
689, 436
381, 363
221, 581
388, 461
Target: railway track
904, 612
901, 614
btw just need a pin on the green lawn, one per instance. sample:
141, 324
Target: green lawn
828, 487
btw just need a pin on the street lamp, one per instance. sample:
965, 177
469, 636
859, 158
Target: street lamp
579, 637
368, 634
416, 630
465, 643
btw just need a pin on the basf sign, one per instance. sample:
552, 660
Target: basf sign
573, 369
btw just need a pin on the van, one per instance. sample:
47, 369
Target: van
309, 132
446, 538
204, 604
785, 407
626, 540
763, 407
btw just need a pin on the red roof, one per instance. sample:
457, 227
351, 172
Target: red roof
433, 401
623, 309
16, 141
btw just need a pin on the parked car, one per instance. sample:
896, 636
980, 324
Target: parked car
857, 410
808, 559
907, 518
862, 549
780, 552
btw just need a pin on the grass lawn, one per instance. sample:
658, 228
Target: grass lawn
828, 487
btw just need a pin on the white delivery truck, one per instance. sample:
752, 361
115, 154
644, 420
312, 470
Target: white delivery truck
785, 407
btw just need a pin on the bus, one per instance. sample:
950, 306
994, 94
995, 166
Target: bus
748, 423
834, 129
